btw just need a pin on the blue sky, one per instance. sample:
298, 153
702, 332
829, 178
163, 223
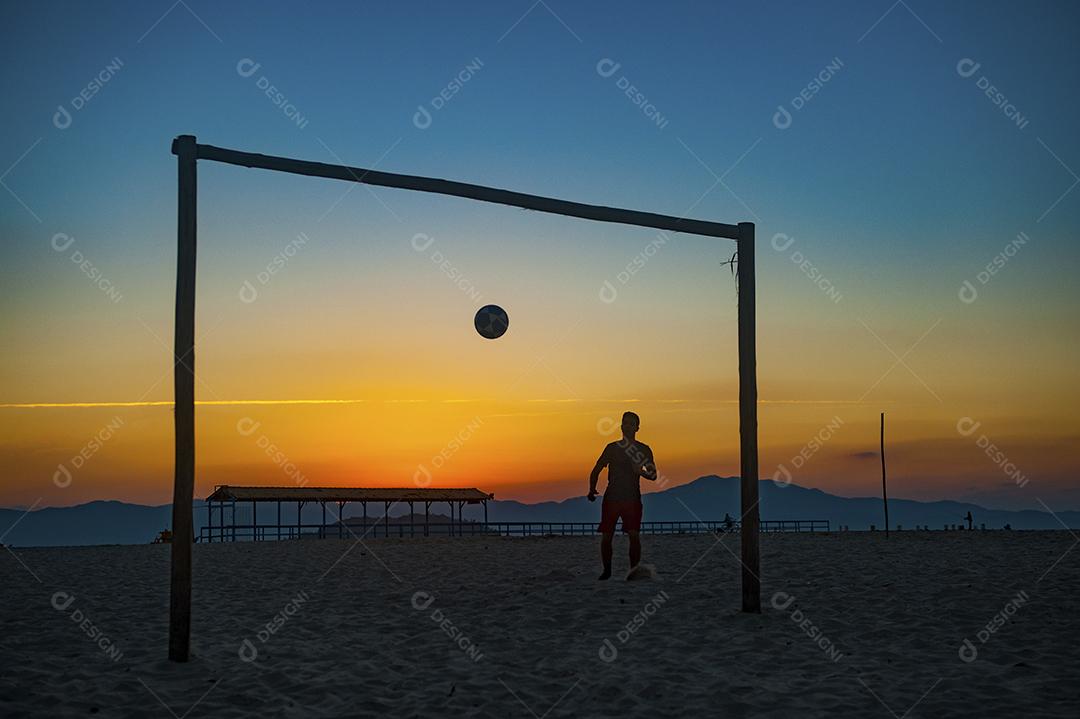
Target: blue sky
896, 144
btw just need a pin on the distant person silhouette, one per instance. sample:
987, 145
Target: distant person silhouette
970, 520
626, 460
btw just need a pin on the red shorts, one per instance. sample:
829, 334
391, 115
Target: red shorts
628, 510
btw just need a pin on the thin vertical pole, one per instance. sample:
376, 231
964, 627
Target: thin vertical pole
748, 430
254, 521
184, 402
427, 521
884, 490
386, 519
299, 511
412, 520
322, 531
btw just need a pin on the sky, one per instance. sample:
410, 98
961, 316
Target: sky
911, 169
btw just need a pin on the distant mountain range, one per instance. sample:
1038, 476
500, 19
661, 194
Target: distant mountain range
112, 522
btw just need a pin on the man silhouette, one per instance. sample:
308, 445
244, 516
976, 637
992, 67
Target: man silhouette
626, 460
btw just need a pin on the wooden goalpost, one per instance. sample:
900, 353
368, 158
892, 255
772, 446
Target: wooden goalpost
188, 152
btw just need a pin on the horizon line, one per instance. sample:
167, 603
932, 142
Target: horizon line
243, 402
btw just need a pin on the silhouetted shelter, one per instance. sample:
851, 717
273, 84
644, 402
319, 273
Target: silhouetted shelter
227, 496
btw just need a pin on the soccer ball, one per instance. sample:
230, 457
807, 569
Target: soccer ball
491, 322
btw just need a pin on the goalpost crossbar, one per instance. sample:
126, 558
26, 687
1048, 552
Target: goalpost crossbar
464, 189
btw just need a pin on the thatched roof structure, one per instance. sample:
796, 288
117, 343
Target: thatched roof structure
227, 493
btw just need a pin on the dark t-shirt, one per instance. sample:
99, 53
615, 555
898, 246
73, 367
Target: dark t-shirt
624, 461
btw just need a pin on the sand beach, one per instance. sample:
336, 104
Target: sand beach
924, 624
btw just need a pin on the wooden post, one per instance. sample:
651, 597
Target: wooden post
748, 450
254, 521
184, 147
884, 490
474, 192
427, 511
